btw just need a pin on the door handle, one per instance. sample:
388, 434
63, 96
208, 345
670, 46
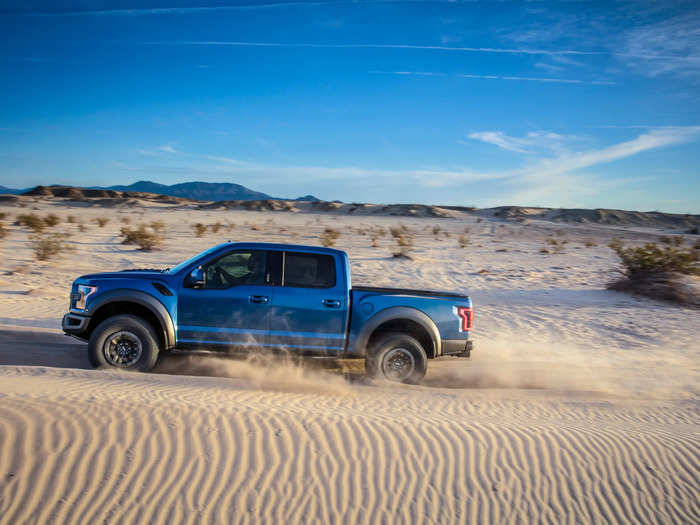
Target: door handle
331, 303
260, 299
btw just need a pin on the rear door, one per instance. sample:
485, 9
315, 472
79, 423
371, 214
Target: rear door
309, 305
232, 308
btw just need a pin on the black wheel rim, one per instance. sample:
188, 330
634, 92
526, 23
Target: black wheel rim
122, 349
398, 364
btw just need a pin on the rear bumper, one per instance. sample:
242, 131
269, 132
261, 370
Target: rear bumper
457, 347
74, 324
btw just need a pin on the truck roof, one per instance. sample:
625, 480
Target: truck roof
276, 246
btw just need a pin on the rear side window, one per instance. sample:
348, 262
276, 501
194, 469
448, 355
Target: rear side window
309, 270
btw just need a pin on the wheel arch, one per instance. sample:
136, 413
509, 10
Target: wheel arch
136, 303
402, 319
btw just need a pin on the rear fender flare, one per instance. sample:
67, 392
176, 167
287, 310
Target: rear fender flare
143, 299
392, 314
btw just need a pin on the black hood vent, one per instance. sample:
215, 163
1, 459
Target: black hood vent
162, 289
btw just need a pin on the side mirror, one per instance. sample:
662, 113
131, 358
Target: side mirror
196, 278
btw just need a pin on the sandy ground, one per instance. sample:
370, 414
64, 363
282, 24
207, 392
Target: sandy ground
579, 406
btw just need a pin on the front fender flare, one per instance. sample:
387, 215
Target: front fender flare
394, 313
144, 299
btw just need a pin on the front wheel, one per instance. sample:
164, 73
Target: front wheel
397, 357
123, 341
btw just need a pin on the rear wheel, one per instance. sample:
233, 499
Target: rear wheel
123, 341
397, 357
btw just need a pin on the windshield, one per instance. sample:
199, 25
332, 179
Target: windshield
191, 260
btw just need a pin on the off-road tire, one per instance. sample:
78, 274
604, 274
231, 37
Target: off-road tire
390, 347
138, 332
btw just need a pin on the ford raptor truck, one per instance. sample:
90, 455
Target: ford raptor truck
254, 296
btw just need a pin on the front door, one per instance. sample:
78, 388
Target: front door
232, 307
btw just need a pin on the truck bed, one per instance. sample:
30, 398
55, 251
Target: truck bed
408, 291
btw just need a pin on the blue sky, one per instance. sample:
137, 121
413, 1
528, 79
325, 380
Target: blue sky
574, 104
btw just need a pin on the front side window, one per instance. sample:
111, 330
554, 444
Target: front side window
245, 267
309, 270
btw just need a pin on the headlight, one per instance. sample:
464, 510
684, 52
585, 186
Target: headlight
81, 295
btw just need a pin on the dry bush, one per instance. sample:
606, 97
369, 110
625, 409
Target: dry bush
144, 237
652, 258
404, 239
47, 246
82, 227
436, 230
3, 216
590, 244
125, 220
230, 226
158, 226
658, 271
255, 228
555, 245
479, 219
70, 219
329, 236
501, 250
51, 220
102, 221
215, 227
463, 241
3, 230
199, 229
31, 221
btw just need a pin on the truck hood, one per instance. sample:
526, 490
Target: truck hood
124, 274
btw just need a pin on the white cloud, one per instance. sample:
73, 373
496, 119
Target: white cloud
168, 149
533, 142
496, 77
671, 46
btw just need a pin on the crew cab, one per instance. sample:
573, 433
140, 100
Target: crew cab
255, 296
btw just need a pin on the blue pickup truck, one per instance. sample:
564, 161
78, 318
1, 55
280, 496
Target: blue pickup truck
253, 296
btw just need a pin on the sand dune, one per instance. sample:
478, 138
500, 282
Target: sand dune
87, 447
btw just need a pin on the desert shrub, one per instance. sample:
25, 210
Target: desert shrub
463, 240
3, 230
51, 220
102, 221
230, 226
199, 229
694, 231
143, 237
436, 230
3, 216
555, 246
81, 227
158, 226
479, 219
651, 258
70, 219
255, 228
31, 221
47, 246
125, 220
404, 240
215, 227
658, 271
590, 244
329, 236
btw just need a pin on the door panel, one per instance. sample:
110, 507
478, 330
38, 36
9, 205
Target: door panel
232, 308
309, 309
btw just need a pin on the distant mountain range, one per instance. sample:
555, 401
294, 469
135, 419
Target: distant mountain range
204, 191
11, 191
